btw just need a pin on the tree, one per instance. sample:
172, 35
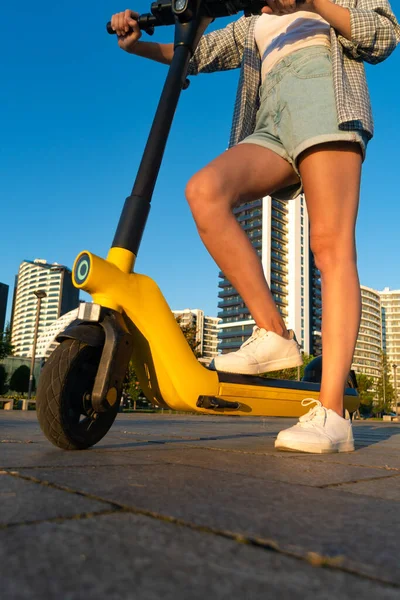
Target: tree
384, 397
365, 386
6, 348
132, 393
190, 332
19, 381
291, 374
3, 379
131, 386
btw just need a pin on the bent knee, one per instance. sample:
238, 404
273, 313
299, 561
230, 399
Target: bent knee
332, 250
206, 191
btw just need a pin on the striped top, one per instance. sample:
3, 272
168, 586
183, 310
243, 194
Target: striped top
375, 33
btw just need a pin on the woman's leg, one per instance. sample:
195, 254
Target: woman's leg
331, 178
243, 173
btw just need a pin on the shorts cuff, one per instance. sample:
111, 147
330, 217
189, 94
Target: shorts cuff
330, 137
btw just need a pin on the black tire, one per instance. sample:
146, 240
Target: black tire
313, 371
66, 381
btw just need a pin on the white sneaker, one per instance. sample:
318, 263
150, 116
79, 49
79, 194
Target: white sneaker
319, 431
263, 352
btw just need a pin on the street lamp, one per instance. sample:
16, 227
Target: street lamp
394, 366
39, 295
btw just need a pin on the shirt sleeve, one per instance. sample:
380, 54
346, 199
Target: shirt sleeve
220, 50
375, 31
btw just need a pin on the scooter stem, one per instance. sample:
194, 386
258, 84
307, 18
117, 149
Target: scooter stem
137, 206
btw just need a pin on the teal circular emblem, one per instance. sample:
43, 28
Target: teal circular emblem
82, 268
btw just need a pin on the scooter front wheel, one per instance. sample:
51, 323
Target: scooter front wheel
63, 397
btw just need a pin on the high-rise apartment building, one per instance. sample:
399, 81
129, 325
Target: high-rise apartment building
390, 303
206, 331
367, 354
279, 231
46, 342
3, 305
210, 338
61, 297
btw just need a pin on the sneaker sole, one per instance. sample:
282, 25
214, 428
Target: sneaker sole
274, 365
314, 448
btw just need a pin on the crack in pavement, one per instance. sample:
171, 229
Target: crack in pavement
76, 517
315, 559
366, 480
301, 456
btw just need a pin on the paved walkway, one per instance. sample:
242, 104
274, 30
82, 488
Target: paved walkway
193, 507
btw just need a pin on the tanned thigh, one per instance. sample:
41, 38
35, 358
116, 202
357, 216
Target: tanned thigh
247, 172
331, 179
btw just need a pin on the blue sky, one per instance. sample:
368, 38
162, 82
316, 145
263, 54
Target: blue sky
75, 113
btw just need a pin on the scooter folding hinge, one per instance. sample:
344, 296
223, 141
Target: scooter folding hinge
214, 403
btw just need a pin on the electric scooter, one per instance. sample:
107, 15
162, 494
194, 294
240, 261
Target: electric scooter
80, 387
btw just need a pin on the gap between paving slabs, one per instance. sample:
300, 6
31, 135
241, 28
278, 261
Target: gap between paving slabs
269, 545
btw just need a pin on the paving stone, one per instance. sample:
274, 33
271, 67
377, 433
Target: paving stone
276, 467
389, 489
377, 445
23, 501
153, 462
19, 455
327, 521
366, 457
124, 556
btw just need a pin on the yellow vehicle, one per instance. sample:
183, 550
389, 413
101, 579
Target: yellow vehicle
80, 386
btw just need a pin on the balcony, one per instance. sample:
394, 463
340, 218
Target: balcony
280, 216
248, 206
278, 225
234, 313
278, 235
230, 345
252, 225
225, 293
229, 302
252, 215
232, 334
224, 283
280, 257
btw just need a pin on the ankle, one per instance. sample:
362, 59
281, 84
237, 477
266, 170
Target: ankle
337, 408
278, 329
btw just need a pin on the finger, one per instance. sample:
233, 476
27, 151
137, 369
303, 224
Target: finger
282, 6
272, 5
114, 22
132, 13
134, 28
127, 18
121, 28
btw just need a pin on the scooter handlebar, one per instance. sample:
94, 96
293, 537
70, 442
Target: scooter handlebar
162, 12
146, 22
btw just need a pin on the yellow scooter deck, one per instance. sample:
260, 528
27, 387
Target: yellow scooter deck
272, 397
168, 372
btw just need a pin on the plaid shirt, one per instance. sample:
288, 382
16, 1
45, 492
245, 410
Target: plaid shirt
375, 33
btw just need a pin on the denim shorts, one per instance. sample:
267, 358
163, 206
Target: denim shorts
298, 110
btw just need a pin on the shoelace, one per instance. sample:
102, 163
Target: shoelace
316, 415
254, 336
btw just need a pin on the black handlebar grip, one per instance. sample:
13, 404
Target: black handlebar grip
145, 22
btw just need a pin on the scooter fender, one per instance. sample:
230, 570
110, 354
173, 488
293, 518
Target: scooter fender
111, 334
89, 333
